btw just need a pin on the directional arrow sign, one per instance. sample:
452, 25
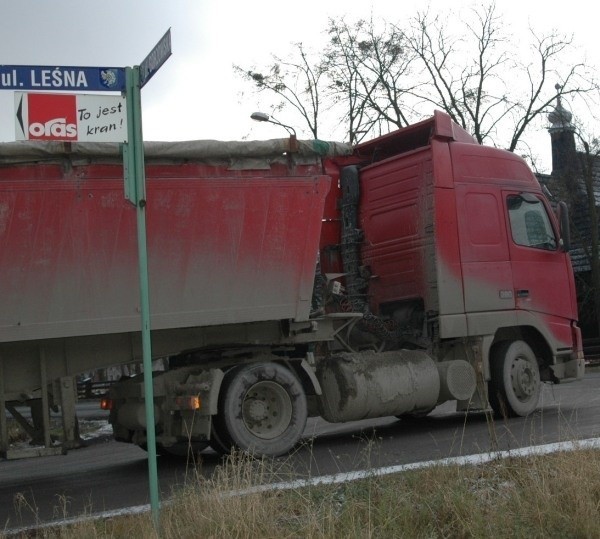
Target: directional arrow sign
157, 57
71, 117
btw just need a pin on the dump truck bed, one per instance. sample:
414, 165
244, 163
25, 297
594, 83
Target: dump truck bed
233, 235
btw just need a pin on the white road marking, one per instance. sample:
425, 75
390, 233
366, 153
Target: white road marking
481, 458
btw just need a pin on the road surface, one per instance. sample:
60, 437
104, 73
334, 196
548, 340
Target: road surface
108, 475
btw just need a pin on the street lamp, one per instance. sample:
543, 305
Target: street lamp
263, 117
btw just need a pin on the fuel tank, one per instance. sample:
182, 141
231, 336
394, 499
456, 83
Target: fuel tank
365, 385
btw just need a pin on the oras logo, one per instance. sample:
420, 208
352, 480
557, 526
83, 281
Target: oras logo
57, 128
52, 117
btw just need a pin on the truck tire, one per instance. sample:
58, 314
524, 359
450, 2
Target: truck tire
515, 385
219, 440
263, 409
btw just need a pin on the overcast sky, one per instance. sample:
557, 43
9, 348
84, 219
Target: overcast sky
195, 94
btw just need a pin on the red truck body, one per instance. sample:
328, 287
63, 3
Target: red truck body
224, 247
437, 229
432, 264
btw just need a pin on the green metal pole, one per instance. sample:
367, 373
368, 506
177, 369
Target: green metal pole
133, 159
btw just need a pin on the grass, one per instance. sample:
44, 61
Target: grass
539, 496
552, 496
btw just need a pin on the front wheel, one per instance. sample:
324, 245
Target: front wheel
263, 409
514, 389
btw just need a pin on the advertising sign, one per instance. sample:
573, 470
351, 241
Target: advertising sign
70, 117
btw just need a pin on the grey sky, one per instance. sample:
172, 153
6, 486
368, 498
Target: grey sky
195, 95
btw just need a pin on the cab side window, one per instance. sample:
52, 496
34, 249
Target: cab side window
529, 222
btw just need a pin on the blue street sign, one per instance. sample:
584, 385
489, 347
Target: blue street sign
50, 78
157, 57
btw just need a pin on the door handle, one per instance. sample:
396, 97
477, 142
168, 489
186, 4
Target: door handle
522, 293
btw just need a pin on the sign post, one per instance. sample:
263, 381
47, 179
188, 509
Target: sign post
69, 117
135, 192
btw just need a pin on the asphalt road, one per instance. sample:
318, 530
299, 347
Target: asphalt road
108, 475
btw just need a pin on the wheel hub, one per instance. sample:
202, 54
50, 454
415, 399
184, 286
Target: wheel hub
257, 410
524, 380
267, 410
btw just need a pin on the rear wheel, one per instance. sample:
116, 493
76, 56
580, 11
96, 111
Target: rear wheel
219, 440
263, 409
515, 385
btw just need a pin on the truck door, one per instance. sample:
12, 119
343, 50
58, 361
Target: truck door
484, 252
540, 270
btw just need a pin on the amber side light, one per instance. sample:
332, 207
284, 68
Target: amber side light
106, 404
189, 403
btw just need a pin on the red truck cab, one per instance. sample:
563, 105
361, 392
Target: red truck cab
460, 246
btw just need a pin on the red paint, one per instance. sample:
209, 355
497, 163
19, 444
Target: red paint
435, 220
224, 247
52, 117
241, 245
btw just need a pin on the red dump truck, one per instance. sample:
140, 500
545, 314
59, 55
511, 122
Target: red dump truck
287, 281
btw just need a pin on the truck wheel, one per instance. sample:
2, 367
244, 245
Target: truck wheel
264, 409
219, 440
514, 389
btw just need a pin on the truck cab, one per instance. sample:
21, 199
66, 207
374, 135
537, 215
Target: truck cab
464, 254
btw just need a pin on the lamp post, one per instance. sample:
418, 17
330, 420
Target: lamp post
264, 117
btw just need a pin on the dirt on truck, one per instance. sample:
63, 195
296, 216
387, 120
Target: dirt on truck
316, 279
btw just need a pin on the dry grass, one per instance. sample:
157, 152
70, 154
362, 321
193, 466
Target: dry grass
540, 496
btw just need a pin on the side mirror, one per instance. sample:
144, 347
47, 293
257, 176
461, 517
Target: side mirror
565, 229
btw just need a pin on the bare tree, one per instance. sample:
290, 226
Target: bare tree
369, 73
295, 82
372, 78
486, 84
358, 81
463, 71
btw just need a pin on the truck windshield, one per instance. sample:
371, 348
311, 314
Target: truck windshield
529, 223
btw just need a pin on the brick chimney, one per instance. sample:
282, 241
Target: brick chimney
562, 135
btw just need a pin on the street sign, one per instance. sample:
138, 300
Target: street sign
71, 117
157, 57
49, 78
